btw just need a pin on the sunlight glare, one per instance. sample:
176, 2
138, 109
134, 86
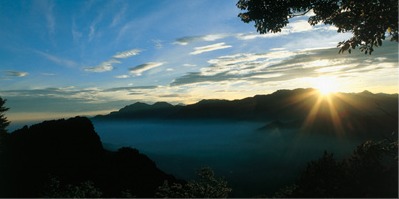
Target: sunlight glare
325, 85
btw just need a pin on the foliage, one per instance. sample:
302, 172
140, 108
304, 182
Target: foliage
372, 171
369, 21
3, 121
72, 151
206, 187
85, 189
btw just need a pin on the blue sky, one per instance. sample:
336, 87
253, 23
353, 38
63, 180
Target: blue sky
64, 58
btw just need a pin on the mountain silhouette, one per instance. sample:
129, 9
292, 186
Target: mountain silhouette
350, 114
139, 111
71, 151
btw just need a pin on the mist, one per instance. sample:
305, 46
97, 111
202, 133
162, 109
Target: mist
253, 162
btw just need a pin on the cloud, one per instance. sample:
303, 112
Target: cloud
103, 67
46, 8
144, 67
278, 66
189, 65
299, 26
49, 74
218, 46
122, 76
126, 54
129, 88
93, 26
107, 65
118, 16
75, 34
16, 73
189, 40
158, 43
170, 95
57, 60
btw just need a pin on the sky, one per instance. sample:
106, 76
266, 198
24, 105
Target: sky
66, 58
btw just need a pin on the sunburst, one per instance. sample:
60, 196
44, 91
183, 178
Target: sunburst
325, 85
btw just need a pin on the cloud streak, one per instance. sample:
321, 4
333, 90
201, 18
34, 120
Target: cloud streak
129, 88
202, 49
57, 60
138, 70
108, 65
122, 76
126, 54
190, 40
103, 67
283, 65
16, 73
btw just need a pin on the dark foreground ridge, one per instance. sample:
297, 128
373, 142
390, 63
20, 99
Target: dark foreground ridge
38, 161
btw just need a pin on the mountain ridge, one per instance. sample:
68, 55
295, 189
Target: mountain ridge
282, 105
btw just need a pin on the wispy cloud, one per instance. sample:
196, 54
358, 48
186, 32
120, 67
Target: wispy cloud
46, 7
92, 32
278, 66
118, 16
138, 70
126, 54
189, 65
129, 88
48, 74
16, 73
103, 67
170, 95
75, 34
189, 40
122, 76
57, 60
158, 43
202, 49
298, 26
107, 65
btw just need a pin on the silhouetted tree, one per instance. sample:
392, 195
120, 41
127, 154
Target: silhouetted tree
3, 120
372, 171
86, 189
72, 151
206, 187
369, 21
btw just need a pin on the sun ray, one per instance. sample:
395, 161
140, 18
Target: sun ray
336, 120
312, 115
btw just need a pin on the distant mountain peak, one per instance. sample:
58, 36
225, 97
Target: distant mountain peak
162, 104
366, 92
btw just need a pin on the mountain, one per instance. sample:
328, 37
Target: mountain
281, 105
140, 111
71, 151
303, 109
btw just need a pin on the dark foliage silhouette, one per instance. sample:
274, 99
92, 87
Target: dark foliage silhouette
3, 121
71, 151
372, 171
368, 21
54, 189
207, 186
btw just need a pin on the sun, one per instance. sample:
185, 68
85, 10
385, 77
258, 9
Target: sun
324, 85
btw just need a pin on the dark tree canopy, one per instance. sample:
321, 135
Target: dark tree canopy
3, 120
370, 21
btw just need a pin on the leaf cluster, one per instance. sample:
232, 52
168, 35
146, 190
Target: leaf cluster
86, 189
207, 186
372, 171
370, 22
